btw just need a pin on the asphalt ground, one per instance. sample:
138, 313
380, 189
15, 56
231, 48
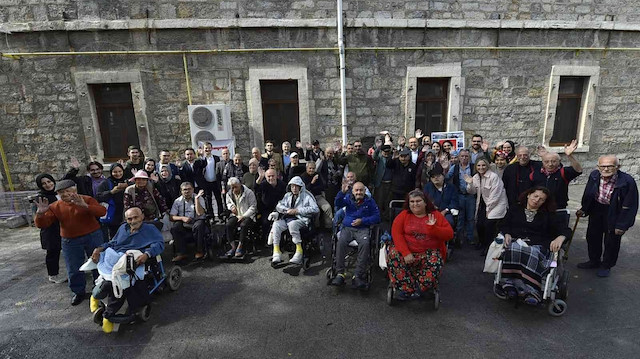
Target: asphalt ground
249, 310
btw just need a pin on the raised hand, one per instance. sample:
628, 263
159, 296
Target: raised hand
122, 163
200, 193
418, 133
431, 219
154, 177
485, 145
42, 204
314, 179
75, 163
78, 201
568, 150
468, 179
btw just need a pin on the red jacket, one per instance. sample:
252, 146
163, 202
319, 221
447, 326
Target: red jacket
75, 221
411, 234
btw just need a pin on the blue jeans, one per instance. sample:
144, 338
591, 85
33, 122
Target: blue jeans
467, 206
74, 251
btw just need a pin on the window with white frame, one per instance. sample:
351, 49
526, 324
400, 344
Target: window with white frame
570, 106
434, 95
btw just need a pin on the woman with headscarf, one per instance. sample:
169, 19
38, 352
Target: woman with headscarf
113, 189
50, 236
168, 186
509, 147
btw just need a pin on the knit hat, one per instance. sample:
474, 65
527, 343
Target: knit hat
141, 174
64, 184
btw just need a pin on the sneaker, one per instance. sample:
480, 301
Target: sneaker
604, 272
338, 280
239, 253
296, 259
230, 253
531, 300
588, 265
57, 279
357, 283
276, 259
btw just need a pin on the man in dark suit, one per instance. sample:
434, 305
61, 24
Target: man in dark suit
205, 175
186, 167
610, 200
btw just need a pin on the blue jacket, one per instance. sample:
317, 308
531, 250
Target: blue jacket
448, 198
624, 200
148, 236
367, 210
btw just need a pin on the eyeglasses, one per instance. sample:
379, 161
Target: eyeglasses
606, 167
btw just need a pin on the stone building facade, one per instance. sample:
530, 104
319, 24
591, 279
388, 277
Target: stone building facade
502, 61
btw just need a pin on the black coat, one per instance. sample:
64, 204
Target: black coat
624, 200
187, 174
546, 226
50, 236
169, 190
83, 183
518, 179
104, 195
403, 179
268, 196
199, 168
315, 188
291, 171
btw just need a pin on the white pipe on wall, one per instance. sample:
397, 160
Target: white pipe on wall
343, 91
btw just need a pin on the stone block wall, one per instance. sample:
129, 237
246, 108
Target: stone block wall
564, 10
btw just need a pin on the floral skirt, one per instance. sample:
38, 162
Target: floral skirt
421, 275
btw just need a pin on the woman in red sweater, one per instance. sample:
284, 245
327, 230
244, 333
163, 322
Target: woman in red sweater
418, 250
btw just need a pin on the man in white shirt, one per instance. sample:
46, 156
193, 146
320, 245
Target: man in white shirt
207, 178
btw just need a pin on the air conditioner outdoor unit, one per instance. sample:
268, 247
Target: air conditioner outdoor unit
209, 123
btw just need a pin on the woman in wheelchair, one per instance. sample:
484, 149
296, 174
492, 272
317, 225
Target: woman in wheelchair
133, 235
418, 250
532, 232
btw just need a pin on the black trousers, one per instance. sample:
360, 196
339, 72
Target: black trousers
209, 188
232, 225
597, 233
181, 235
487, 228
52, 260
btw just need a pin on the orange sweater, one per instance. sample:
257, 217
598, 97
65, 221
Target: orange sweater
412, 235
75, 221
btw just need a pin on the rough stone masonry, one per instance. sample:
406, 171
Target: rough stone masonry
47, 116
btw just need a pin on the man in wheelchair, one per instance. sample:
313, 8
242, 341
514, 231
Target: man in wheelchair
361, 212
188, 217
117, 282
294, 212
241, 202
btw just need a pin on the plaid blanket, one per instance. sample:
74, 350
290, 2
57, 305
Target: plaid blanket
528, 264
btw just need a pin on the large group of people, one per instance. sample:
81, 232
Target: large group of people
489, 190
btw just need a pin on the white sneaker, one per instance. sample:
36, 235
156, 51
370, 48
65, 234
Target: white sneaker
57, 279
296, 259
277, 258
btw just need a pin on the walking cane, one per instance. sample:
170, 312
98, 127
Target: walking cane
573, 231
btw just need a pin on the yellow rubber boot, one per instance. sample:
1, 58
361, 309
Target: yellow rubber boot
94, 304
107, 326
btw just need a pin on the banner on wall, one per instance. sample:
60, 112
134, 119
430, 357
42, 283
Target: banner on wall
456, 138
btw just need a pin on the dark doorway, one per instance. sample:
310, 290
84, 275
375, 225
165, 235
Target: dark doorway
431, 105
280, 110
114, 107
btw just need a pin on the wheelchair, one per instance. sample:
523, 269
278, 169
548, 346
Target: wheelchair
254, 233
395, 207
352, 254
155, 280
214, 238
555, 285
310, 246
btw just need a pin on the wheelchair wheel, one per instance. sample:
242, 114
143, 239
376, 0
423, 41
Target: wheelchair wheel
436, 299
306, 263
390, 291
498, 292
563, 285
174, 279
557, 307
145, 313
97, 315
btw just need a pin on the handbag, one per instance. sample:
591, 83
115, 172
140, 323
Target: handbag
493, 257
382, 257
110, 205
